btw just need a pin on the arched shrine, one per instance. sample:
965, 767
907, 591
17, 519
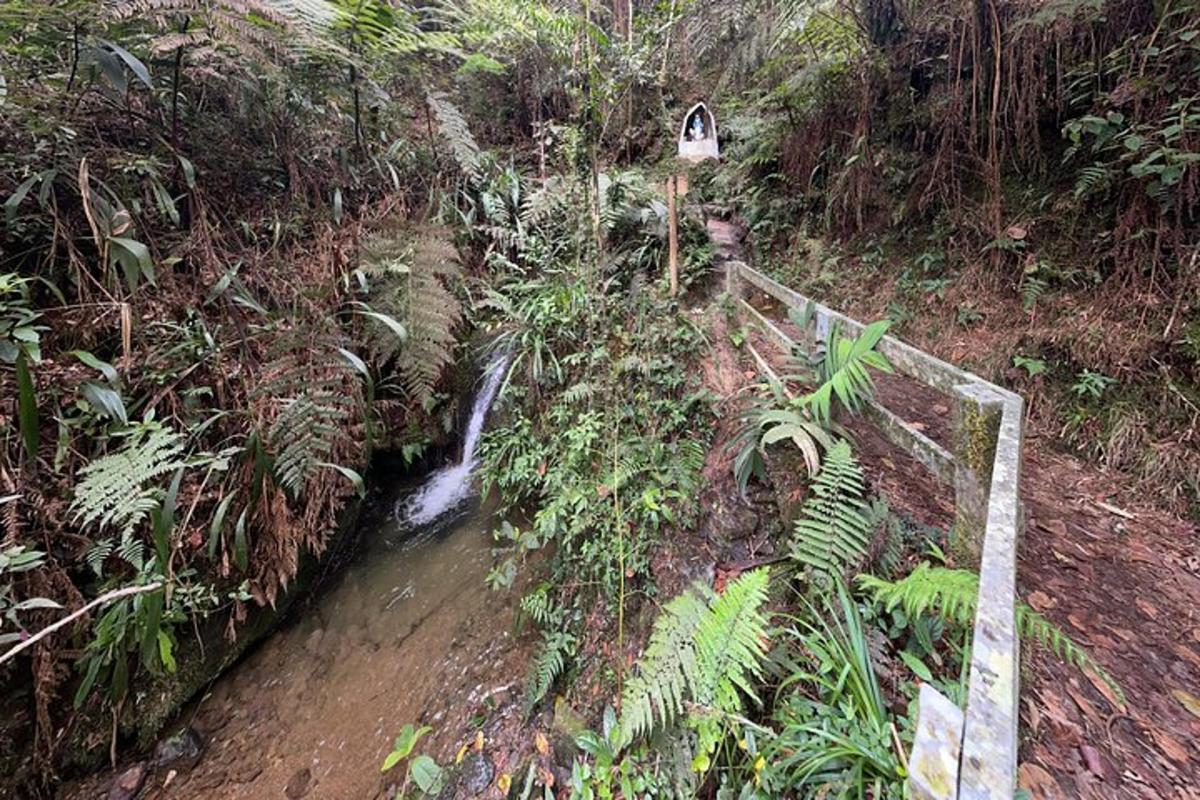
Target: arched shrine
698, 135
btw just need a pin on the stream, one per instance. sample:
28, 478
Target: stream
409, 633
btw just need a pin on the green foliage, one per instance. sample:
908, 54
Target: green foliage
832, 730
953, 594
1032, 366
14, 561
422, 770
840, 370
118, 491
313, 411
704, 651
548, 665
457, 132
1090, 385
406, 741
409, 276
834, 529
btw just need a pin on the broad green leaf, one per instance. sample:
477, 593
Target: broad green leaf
917, 666
133, 62
166, 651
152, 608
35, 603
426, 774
390, 322
134, 258
106, 369
14, 200
27, 411
241, 556
218, 523
351, 475
106, 400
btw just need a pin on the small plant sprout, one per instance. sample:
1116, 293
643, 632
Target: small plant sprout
1091, 385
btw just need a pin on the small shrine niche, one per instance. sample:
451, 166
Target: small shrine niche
698, 136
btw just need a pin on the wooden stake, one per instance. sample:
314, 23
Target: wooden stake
672, 236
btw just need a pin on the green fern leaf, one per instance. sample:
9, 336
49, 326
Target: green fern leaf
120, 490
833, 532
704, 648
953, 594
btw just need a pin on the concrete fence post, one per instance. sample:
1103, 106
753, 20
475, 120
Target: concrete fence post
937, 745
976, 430
733, 280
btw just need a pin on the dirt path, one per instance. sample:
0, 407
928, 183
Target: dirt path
1120, 576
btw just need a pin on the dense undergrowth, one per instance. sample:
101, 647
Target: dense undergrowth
245, 242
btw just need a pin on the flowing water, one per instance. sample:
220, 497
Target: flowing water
448, 487
409, 633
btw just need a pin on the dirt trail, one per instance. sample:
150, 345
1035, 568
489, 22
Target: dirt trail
1120, 576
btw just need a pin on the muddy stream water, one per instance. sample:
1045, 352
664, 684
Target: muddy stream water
409, 633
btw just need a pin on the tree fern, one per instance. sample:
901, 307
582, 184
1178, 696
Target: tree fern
953, 594
833, 532
119, 490
704, 648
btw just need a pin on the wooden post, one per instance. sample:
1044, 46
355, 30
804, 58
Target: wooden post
672, 236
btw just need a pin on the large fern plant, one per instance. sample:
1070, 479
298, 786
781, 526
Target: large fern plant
409, 275
118, 491
704, 654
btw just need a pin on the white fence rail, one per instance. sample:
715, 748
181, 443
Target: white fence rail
971, 754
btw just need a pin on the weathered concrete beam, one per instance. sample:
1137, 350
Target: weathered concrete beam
907, 359
989, 755
977, 412
937, 745
926, 451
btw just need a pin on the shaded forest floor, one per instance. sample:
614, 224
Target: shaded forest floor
1111, 565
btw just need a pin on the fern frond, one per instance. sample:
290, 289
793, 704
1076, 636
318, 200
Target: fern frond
953, 594
314, 394
549, 663
302, 436
454, 128
704, 648
119, 490
833, 532
408, 272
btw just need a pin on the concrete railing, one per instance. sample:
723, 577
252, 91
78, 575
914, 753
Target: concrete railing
956, 754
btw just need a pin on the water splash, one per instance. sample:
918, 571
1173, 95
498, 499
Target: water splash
447, 488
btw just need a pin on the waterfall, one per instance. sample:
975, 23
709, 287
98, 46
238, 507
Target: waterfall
451, 484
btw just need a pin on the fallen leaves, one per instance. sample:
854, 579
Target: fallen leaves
1169, 746
1103, 688
1038, 782
1040, 601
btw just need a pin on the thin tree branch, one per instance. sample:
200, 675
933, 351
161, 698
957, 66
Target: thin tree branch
107, 597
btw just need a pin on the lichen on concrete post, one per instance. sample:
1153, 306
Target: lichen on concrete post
937, 744
733, 281
976, 429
